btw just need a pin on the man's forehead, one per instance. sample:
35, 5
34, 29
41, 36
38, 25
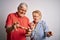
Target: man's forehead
23, 7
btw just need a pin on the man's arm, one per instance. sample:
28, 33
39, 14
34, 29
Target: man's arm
14, 26
9, 24
9, 29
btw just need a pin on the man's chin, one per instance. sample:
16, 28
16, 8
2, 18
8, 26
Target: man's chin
21, 16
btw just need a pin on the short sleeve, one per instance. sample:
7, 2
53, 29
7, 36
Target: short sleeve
9, 21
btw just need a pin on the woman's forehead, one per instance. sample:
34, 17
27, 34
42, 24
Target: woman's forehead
35, 13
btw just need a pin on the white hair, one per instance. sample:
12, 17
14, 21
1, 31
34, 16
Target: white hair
20, 5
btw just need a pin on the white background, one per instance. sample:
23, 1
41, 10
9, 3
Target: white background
50, 10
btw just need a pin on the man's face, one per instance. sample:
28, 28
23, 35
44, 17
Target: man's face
22, 11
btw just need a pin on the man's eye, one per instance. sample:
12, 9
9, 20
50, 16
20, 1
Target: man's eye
34, 16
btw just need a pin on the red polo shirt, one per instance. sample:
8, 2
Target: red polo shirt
20, 34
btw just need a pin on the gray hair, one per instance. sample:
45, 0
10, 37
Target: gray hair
20, 5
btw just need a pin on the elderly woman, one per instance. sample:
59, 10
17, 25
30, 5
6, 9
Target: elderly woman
39, 28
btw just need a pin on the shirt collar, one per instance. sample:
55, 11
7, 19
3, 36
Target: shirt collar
18, 15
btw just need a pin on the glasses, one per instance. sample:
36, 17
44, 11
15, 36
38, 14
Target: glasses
22, 13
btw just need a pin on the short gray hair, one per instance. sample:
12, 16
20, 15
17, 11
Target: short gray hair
37, 11
20, 5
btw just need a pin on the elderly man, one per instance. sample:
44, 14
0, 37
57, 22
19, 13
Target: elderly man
17, 24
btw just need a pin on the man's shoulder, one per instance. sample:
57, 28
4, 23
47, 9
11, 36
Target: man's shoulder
26, 17
11, 14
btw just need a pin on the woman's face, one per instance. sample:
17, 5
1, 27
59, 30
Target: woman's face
36, 17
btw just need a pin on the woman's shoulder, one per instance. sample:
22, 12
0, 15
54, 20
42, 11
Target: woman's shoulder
42, 21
